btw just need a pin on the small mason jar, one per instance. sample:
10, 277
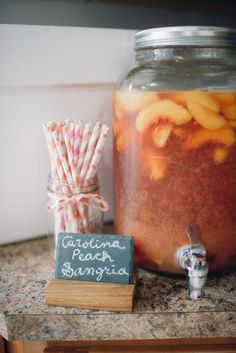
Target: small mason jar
174, 127
74, 209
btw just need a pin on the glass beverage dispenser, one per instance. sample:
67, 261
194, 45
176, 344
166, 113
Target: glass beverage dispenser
174, 130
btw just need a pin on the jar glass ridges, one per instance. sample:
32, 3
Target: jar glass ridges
174, 130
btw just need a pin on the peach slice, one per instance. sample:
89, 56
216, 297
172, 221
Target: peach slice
133, 101
117, 126
220, 154
224, 137
119, 112
224, 97
121, 142
165, 110
120, 134
155, 161
161, 134
114, 129
206, 117
229, 111
157, 167
200, 97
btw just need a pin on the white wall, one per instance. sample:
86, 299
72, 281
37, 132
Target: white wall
50, 73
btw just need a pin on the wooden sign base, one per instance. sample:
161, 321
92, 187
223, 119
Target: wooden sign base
91, 295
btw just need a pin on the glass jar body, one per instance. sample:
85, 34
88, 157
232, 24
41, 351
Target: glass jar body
175, 154
70, 210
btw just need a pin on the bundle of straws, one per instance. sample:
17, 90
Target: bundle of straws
75, 150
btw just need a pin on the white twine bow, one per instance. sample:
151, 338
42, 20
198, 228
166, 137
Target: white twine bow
59, 201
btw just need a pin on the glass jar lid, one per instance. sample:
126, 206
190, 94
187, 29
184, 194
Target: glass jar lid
186, 36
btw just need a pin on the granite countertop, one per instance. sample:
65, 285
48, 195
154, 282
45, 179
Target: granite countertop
162, 308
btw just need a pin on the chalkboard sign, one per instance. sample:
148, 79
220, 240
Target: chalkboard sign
95, 257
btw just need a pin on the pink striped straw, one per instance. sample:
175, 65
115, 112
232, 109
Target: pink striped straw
63, 171
92, 170
71, 214
77, 140
61, 139
59, 216
62, 156
54, 174
87, 158
57, 160
83, 146
52, 147
90, 149
72, 133
82, 151
70, 154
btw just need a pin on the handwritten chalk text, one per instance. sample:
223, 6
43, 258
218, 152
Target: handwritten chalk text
70, 242
98, 272
102, 256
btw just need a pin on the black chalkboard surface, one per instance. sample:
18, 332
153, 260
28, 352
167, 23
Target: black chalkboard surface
95, 257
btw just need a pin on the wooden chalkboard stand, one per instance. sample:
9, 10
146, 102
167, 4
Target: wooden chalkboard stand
91, 295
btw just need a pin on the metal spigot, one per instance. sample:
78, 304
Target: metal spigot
193, 260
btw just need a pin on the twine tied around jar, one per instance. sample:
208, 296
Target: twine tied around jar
59, 201
72, 205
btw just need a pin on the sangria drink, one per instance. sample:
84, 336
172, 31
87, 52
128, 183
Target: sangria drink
175, 164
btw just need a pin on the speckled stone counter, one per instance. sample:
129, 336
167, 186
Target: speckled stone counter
162, 308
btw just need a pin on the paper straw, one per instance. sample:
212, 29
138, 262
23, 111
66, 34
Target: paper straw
73, 218
90, 149
72, 166
82, 151
67, 134
77, 140
51, 146
83, 146
59, 216
54, 173
46, 129
68, 212
97, 153
59, 126
72, 134
62, 156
